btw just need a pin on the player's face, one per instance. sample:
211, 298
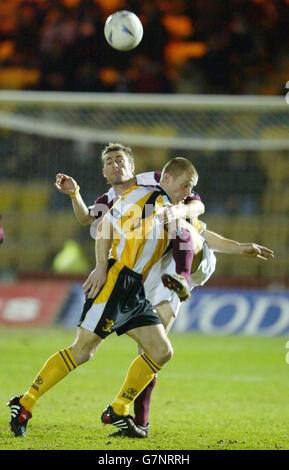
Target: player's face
117, 168
180, 187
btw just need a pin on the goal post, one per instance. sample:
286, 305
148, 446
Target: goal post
201, 122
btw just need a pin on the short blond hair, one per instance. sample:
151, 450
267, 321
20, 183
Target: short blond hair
179, 165
116, 147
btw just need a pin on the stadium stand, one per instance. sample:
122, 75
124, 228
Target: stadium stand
245, 190
60, 46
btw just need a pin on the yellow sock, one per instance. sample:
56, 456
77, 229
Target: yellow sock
54, 369
140, 374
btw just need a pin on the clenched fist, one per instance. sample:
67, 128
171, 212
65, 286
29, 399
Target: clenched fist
65, 184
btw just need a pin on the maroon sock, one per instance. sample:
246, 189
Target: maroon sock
142, 404
183, 253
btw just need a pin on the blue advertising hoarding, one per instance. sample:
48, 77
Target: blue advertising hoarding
215, 311
235, 311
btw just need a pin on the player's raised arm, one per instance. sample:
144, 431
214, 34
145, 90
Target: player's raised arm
191, 210
224, 245
190, 205
67, 185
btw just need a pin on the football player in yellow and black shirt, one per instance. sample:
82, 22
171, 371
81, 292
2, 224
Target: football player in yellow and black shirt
136, 240
116, 299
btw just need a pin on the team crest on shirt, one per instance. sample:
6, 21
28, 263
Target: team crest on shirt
108, 325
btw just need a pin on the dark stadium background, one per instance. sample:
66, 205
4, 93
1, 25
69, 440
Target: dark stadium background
207, 47
226, 387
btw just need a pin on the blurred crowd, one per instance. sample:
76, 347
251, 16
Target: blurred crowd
200, 46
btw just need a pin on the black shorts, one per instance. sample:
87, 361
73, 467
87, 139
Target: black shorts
120, 305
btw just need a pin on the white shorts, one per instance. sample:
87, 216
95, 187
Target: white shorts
156, 292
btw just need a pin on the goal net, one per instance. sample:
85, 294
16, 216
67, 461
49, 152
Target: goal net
239, 145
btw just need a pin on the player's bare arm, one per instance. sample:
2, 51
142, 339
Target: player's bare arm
103, 242
67, 185
224, 245
182, 211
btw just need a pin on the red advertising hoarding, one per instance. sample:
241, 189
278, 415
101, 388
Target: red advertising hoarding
31, 303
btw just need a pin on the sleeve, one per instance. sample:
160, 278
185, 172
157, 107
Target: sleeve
99, 207
193, 197
149, 178
157, 176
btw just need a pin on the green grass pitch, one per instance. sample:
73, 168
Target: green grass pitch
216, 393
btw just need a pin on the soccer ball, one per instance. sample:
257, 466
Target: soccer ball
123, 30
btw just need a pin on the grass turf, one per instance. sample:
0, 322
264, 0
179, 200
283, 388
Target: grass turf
216, 393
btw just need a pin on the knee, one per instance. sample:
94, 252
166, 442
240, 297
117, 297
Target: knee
85, 346
169, 354
165, 354
82, 354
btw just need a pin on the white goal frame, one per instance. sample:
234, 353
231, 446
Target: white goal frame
131, 101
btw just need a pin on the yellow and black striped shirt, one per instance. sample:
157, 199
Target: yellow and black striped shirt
139, 239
